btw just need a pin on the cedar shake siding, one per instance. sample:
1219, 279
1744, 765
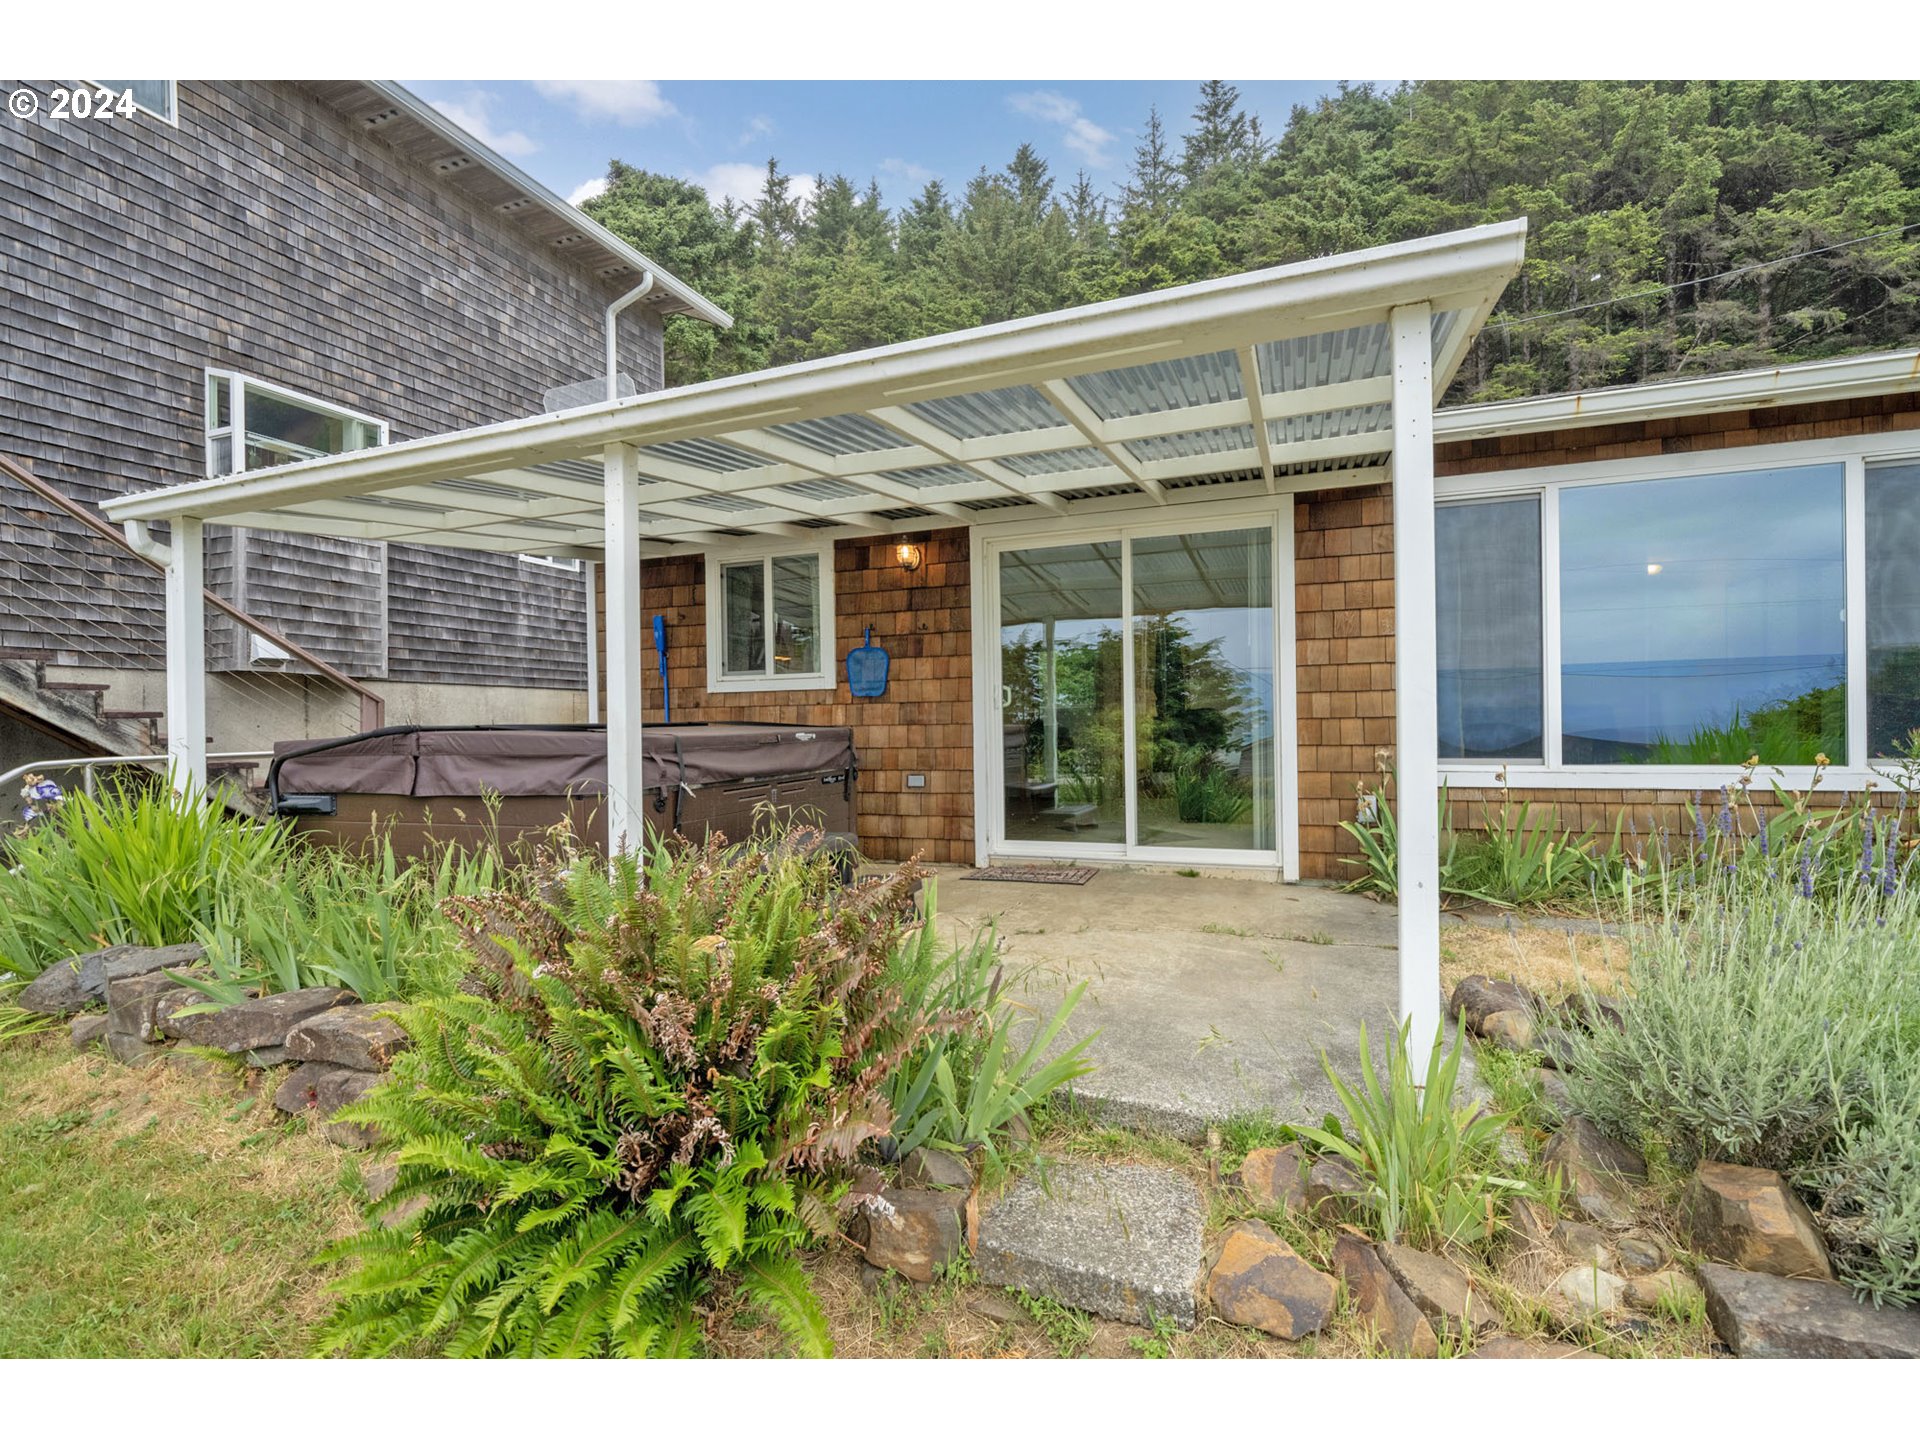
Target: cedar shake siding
923, 725
270, 234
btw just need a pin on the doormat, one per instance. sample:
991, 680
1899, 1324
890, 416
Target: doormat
1035, 874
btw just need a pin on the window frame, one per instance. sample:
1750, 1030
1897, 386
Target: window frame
1852, 453
827, 677
238, 383
568, 563
172, 117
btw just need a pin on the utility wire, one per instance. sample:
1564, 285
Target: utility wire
1699, 280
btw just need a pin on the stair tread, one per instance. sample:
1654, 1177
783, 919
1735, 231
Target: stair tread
98, 688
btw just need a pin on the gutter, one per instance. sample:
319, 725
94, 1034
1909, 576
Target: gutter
685, 298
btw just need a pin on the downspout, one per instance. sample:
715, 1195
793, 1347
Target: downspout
638, 292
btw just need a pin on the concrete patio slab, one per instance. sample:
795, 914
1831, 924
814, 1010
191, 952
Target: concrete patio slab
1213, 995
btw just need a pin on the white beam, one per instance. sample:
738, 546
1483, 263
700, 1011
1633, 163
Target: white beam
186, 661
588, 581
1249, 359
949, 449
1415, 679
1069, 404
625, 804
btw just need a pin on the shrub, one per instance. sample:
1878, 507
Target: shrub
1772, 1012
656, 1087
134, 866
1433, 1167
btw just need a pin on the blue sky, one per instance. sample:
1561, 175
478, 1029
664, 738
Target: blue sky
901, 133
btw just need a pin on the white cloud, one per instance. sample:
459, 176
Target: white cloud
627, 102
758, 127
587, 190
908, 171
472, 115
1079, 134
743, 183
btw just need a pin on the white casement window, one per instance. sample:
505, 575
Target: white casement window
1655, 623
770, 619
159, 98
569, 563
279, 426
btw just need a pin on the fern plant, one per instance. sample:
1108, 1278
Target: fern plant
654, 1082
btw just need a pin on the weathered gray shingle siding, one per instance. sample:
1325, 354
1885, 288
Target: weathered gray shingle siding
271, 235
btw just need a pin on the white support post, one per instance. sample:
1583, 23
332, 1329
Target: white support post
587, 570
621, 586
186, 661
1415, 678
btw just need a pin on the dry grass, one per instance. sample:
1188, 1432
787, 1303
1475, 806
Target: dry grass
158, 1212
1547, 959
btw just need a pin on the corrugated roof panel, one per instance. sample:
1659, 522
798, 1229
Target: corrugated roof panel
1161, 385
1192, 443
928, 477
593, 470
821, 489
1359, 353
1055, 462
1322, 424
714, 455
723, 502
841, 435
990, 412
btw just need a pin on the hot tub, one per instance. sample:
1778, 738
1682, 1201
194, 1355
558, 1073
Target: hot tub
425, 786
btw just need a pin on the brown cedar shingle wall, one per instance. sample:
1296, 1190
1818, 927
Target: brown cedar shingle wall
1344, 592
922, 725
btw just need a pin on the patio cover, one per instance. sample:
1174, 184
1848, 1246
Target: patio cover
1298, 377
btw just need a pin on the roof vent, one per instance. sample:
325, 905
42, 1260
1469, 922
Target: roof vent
452, 163
607, 272
380, 117
519, 202
568, 239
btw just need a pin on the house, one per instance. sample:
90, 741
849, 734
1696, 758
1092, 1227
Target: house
223, 276
1161, 578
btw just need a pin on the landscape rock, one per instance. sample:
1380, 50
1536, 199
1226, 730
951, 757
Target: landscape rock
1509, 1029
1529, 1224
72, 985
1639, 1254
132, 1000
1752, 1219
268, 1056
1582, 1242
929, 1169
1553, 1092
1555, 1046
872, 1278
318, 1089
1476, 998
1397, 1325
1773, 1317
1595, 1171
357, 1036
926, 1229
1590, 1290
1335, 1189
250, 1024
131, 1049
1439, 1288
1272, 1179
1259, 1280
1591, 1012
1508, 1347
1123, 1241
997, 1308
1673, 1287
87, 1030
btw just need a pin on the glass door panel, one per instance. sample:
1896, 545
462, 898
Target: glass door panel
1062, 695
1203, 690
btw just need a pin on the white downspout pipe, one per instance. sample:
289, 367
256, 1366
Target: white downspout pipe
638, 292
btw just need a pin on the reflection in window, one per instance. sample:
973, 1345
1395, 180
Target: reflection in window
773, 620
743, 588
1893, 607
796, 614
1489, 620
1702, 620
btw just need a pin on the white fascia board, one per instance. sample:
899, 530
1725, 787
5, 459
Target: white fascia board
1307, 298
689, 301
1811, 383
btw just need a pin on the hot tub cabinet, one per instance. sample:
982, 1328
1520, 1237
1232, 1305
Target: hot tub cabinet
427, 786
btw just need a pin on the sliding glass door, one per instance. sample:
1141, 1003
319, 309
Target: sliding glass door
1138, 695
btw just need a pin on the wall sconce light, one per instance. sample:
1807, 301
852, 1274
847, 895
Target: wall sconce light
909, 557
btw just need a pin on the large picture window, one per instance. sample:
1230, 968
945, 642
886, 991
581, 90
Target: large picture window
770, 620
278, 426
1703, 619
1487, 556
1893, 607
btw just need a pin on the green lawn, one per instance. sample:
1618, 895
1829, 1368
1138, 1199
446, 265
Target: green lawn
157, 1213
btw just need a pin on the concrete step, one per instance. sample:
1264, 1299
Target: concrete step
1123, 1241
133, 714
76, 687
